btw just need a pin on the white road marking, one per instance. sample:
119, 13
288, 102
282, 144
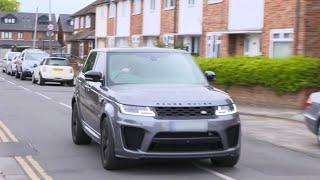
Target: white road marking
24, 88
65, 105
44, 96
11, 82
222, 176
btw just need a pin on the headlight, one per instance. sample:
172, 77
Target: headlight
226, 110
136, 110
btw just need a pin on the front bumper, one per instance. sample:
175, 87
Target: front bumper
220, 143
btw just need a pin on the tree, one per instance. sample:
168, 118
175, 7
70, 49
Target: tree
9, 5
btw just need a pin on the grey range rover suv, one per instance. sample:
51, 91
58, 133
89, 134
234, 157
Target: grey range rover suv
142, 103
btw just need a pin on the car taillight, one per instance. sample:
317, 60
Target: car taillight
308, 102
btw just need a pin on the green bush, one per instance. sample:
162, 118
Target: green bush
282, 75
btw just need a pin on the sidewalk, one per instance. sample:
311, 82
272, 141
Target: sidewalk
271, 112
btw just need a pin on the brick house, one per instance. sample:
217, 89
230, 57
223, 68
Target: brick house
65, 31
17, 31
83, 38
216, 28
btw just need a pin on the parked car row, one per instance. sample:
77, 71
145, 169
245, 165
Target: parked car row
39, 66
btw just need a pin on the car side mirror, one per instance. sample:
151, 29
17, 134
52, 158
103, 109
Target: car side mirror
35, 65
211, 76
93, 76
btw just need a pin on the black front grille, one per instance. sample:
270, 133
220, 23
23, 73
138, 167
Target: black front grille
186, 142
233, 133
186, 112
132, 137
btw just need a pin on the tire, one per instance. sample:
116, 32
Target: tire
70, 83
34, 81
226, 161
108, 157
41, 82
13, 74
17, 75
22, 76
79, 137
318, 135
3, 71
8, 73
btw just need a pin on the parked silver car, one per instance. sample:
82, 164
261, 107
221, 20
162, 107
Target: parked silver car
12, 66
7, 60
312, 114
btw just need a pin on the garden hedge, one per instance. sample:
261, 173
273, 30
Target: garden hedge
282, 75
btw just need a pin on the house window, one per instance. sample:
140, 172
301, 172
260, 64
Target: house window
71, 22
152, 4
6, 35
281, 43
214, 1
191, 2
136, 6
124, 10
20, 35
90, 45
9, 20
168, 40
169, 4
88, 21
43, 20
76, 23
213, 45
46, 35
111, 42
135, 39
81, 50
82, 22
112, 10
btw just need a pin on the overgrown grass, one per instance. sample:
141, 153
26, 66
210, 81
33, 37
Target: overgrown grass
282, 75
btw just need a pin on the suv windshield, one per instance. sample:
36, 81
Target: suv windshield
36, 56
57, 62
153, 68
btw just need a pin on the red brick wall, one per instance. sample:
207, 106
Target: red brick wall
136, 21
168, 19
111, 27
278, 14
215, 19
309, 37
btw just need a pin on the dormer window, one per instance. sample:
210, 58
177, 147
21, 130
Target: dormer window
9, 20
43, 20
71, 22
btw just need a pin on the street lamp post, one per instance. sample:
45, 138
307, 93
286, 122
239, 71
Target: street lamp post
50, 28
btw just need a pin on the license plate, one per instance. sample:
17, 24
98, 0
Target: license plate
57, 71
189, 126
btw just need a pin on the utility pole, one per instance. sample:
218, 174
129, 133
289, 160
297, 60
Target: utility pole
35, 30
50, 28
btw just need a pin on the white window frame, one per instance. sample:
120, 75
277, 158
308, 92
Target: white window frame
214, 1
135, 40
20, 36
81, 50
168, 40
281, 38
191, 2
76, 23
153, 5
82, 22
90, 45
111, 41
112, 10
88, 21
169, 4
6, 35
215, 39
136, 7
9, 20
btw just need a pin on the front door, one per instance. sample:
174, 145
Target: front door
252, 45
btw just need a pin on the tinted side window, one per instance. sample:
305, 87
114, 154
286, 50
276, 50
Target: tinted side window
101, 63
42, 62
90, 62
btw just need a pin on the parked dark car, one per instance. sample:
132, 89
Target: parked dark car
143, 103
312, 114
29, 59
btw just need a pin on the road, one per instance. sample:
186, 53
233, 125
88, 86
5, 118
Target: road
38, 118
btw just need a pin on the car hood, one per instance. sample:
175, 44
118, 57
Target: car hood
30, 64
168, 95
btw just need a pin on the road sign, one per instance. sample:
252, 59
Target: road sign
50, 27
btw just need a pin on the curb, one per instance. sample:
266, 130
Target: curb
270, 116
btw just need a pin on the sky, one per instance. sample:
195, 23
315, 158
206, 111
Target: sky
58, 6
